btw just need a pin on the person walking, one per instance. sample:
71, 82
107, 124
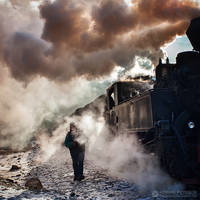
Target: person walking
77, 151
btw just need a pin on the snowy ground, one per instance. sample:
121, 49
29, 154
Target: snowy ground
56, 176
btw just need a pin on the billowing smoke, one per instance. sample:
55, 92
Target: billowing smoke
38, 107
47, 53
90, 39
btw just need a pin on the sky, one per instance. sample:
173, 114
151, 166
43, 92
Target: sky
180, 44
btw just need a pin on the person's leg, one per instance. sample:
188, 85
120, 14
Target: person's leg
75, 163
81, 161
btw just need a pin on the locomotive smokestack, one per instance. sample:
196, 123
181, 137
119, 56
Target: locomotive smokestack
167, 60
193, 33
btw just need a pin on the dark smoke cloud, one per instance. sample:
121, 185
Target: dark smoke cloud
63, 23
171, 10
158, 36
89, 38
114, 17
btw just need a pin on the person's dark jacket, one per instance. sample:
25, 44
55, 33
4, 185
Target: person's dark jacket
72, 143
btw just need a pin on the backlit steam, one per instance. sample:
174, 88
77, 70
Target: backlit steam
37, 108
122, 155
62, 42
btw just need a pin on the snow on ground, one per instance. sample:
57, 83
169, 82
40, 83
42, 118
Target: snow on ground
56, 176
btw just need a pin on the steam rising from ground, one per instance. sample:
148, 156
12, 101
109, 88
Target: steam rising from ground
41, 106
122, 155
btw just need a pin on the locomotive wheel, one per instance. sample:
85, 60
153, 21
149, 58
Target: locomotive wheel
169, 158
172, 163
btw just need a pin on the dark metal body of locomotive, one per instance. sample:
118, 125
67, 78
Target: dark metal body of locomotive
166, 118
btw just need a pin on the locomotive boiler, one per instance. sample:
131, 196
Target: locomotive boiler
166, 118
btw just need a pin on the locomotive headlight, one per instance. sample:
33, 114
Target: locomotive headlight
191, 125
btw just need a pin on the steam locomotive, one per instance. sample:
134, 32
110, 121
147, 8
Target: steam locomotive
166, 119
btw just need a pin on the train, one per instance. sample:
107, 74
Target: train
165, 118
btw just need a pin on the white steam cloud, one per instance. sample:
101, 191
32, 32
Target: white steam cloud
27, 111
122, 155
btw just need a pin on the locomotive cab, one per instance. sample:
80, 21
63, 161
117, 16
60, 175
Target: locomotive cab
135, 109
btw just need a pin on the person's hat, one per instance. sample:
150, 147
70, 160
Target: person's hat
72, 125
